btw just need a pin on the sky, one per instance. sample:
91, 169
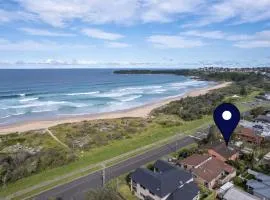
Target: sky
177, 33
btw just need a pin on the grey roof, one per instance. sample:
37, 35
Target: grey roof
163, 166
264, 178
263, 118
163, 183
235, 193
260, 177
259, 188
187, 192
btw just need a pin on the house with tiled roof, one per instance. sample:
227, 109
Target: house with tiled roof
223, 152
249, 135
207, 170
166, 182
213, 172
194, 161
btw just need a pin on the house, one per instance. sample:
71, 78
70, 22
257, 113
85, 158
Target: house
260, 186
248, 135
234, 193
266, 158
224, 188
222, 152
194, 161
213, 172
259, 126
263, 119
166, 182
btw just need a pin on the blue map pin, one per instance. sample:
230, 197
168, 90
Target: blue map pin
226, 117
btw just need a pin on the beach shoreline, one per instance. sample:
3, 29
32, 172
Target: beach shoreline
141, 111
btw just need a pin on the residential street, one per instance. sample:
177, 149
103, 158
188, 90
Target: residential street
77, 189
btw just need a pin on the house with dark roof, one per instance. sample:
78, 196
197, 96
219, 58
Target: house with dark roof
222, 152
161, 166
260, 186
263, 119
166, 182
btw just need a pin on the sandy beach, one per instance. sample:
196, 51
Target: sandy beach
142, 111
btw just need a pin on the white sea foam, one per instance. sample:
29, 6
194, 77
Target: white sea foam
47, 104
4, 117
40, 110
28, 99
113, 94
120, 92
83, 93
18, 113
129, 98
186, 83
22, 95
157, 91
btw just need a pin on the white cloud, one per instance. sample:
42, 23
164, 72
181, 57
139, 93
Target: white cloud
253, 44
42, 32
30, 45
165, 11
205, 34
61, 12
256, 40
239, 11
97, 33
9, 16
117, 45
173, 41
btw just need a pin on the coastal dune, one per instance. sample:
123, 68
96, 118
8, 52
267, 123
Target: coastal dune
142, 111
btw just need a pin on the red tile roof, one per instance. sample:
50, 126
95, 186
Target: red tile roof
212, 169
247, 132
194, 160
223, 150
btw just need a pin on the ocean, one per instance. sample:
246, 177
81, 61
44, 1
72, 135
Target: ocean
40, 94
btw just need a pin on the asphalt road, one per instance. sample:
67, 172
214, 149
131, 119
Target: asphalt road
76, 190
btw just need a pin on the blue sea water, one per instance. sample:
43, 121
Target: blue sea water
37, 94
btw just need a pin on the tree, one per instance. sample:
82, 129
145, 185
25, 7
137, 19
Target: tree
243, 91
257, 111
213, 134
